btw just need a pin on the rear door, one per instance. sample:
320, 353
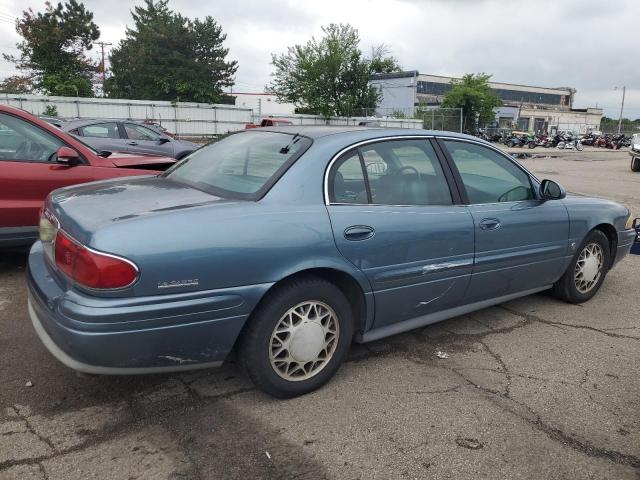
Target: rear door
521, 240
395, 217
28, 172
141, 139
102, 136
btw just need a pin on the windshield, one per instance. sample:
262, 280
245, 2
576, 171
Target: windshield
243, 165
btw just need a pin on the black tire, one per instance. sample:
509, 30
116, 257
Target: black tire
531, 144
255, 343
566, 289
635, 164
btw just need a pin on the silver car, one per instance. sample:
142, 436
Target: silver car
127, 136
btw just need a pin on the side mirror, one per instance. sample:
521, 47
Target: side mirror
550, 190
163, 140
67, 156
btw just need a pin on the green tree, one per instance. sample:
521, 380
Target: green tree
382, 61
477, 99
166, 56
53, 48
327, 77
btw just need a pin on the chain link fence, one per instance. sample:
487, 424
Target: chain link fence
433, 118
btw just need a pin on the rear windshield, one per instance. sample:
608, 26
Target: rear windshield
244, 165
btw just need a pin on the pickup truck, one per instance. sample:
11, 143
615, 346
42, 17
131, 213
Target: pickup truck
269, 122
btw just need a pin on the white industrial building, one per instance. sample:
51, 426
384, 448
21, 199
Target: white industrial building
263, 104
525, 107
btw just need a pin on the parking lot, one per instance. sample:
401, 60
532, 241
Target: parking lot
533, 388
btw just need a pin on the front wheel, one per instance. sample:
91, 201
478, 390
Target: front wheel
531, 144
561, 145
298, 337
586, 272
579, 146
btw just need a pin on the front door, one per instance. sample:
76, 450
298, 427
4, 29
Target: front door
395, 217
521, 240
144, 140
28, 172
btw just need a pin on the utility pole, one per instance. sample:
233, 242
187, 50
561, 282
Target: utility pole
624, 90
102, 45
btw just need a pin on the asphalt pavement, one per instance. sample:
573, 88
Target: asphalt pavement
531, 389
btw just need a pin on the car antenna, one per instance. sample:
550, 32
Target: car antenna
285, 150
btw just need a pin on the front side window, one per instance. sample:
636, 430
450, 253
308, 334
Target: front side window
240, 166
23, 141
100, 130
138, 132
399, 172
488, 176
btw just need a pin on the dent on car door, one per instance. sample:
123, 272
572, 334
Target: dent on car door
28, 172
394, 217
521, 240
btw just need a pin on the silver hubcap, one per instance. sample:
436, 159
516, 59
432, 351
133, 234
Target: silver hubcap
589, 267
304, 340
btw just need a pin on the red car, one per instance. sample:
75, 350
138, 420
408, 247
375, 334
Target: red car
36, 158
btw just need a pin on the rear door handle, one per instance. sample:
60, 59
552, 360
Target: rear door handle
358, 232
490, 224
132, 143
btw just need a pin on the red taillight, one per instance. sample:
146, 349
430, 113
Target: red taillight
90, 268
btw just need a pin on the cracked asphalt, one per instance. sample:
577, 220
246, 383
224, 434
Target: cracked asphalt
533, 388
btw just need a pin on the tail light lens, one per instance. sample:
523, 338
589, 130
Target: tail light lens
90, 268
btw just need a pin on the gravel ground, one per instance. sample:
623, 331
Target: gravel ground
533, 388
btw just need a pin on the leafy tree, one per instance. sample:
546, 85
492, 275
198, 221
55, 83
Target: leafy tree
16, 84
382, 62
477, 99
53, 48
166, 56
51, 111
328, 77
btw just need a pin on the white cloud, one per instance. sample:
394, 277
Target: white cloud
584, 44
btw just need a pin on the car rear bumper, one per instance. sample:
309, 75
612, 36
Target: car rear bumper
127, 336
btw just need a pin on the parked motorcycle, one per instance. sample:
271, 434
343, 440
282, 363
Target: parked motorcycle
570, 142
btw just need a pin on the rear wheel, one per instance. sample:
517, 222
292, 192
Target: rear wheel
531, 144
561, 145
579, 146
298, 337
586, 272
635, 164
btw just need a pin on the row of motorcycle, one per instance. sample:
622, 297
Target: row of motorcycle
562, 140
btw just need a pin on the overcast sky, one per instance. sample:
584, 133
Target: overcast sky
590, 45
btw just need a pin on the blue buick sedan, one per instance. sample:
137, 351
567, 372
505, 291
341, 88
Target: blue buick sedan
286, 244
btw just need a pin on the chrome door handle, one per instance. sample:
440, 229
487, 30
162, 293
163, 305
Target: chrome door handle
490, 224
359, 232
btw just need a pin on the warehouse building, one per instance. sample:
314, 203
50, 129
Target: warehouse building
524, 107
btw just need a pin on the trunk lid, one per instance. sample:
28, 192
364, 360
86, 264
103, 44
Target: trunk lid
82, 209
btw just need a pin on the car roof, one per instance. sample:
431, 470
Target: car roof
360, 132
82, 122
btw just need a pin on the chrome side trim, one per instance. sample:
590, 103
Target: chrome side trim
437, 267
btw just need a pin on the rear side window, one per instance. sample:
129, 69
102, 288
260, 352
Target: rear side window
243, 165
399, 172
100, 130
349, 185
138, 132
488, 176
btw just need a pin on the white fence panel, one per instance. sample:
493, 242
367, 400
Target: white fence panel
182, 118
